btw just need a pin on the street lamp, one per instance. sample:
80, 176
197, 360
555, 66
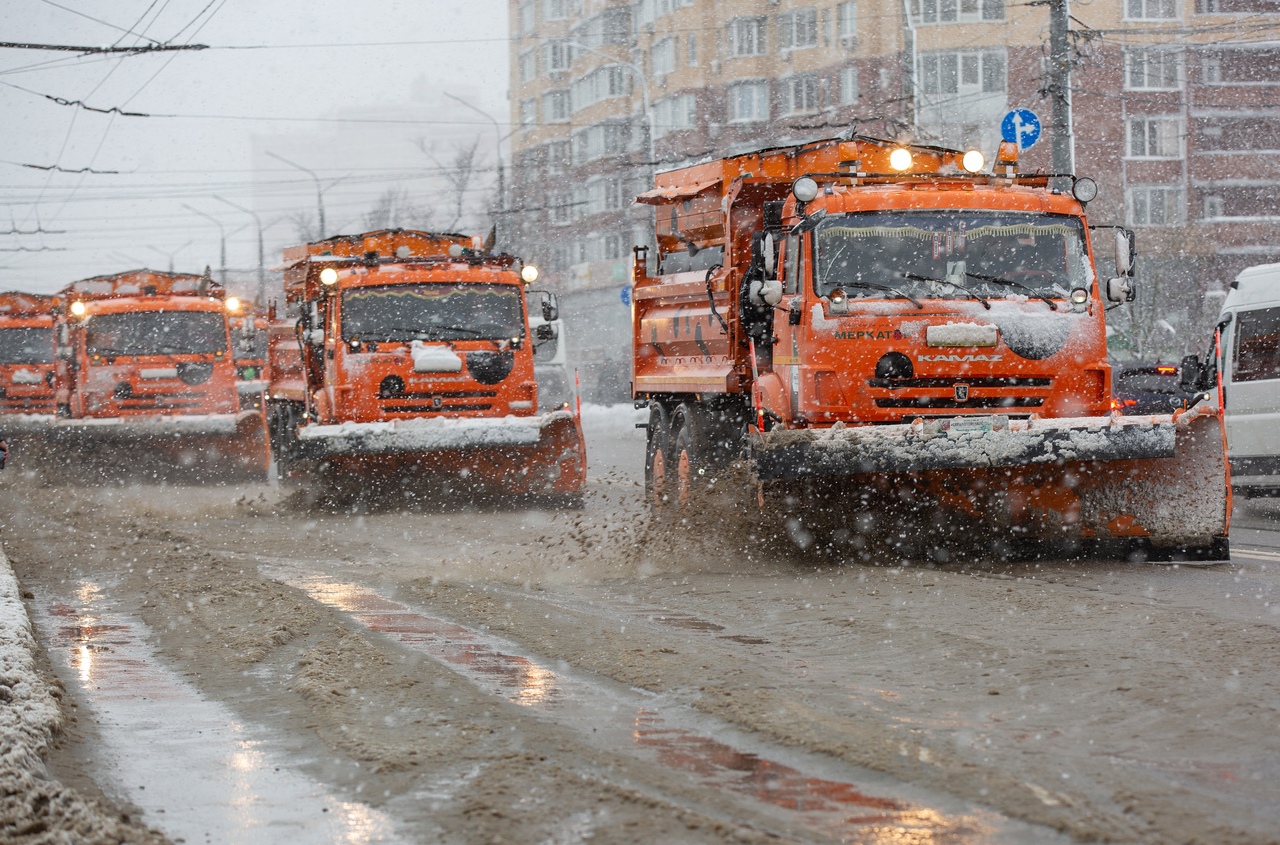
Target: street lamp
170, 255
502, 194
222, 254
319, 190
644, 92
262, 263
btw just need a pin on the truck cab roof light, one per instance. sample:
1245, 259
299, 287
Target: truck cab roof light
1084, 189
900, 159
973, 161
805, 189
529, 273
328, 276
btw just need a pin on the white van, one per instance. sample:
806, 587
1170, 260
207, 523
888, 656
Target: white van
1250, 324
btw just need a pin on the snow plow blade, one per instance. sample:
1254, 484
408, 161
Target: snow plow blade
1159, 481
542, 454
232, 444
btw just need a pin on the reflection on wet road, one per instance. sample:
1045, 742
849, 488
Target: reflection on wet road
793, 795
198, 774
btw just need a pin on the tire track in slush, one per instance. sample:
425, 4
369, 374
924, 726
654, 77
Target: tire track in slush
198, 773
798, 790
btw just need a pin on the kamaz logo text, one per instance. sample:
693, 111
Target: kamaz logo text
960, 359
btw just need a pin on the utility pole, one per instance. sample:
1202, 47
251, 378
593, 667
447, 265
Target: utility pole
222, 241
262, 263
1059, 88
315, 178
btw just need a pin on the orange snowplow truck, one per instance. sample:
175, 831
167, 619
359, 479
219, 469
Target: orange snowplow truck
886, 327
27, 363
148, 365
416, 359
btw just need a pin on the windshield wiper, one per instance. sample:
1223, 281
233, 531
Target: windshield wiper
916, 278
996, 280
889, 288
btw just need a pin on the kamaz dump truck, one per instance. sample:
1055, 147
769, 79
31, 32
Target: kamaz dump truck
874, 327
414, 357
27, 363
149, 374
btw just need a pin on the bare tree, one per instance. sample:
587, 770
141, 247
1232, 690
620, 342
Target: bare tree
304, 226
394, 210
458, 173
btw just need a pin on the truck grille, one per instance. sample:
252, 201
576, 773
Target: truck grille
949, 383
423, 402
950, 403
161, 399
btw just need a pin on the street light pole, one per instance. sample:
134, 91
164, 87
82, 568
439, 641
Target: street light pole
222, 252
502, 193
644, 93
262, 263
315, 178
170, 255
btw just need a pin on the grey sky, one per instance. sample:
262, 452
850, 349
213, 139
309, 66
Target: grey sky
312, 69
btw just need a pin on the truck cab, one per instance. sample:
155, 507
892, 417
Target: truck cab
27, 363
147, 343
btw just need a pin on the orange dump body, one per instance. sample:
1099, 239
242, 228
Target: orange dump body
925, 323
27, 361
407, 357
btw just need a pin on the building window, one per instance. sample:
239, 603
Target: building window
957, 11
663, 57
555, 106
555, 10
1237, 7
693, 51
612, 26
559, 156
612, 247
1155, 137
1241, 66
799, 93
1144, 10
964, 72
1214, 208
528, 66
847, 23
672, 114
600, 84
560, 207
848, 86
525, 12
1152, 69
1154, 205
748, 101
798, 29
603, 139
528, 113
557, 56
746, 36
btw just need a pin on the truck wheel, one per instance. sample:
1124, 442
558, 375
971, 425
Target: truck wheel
686, 457
657, 458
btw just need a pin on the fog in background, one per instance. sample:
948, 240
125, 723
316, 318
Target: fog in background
352, 92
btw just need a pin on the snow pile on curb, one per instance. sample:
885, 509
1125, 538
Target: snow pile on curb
28, 712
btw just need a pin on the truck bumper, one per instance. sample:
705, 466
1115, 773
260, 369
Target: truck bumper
545, 453
926, 445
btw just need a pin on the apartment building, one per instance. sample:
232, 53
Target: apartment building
1176, 114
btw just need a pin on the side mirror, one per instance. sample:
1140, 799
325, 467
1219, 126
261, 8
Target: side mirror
770, 255
315, 337
550, 308
1191, 373
1120, 289
1126, 251
66, 353
546, 331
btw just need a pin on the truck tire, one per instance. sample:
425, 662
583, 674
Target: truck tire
687, 456
657, 458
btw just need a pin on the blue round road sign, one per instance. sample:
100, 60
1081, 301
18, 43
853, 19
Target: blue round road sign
1021, 127
625, 295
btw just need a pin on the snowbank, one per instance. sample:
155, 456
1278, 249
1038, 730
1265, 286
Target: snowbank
28, 712
612, 418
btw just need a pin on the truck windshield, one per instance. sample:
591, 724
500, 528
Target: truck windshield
433, 311
156, 333
940, 254
26, 346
